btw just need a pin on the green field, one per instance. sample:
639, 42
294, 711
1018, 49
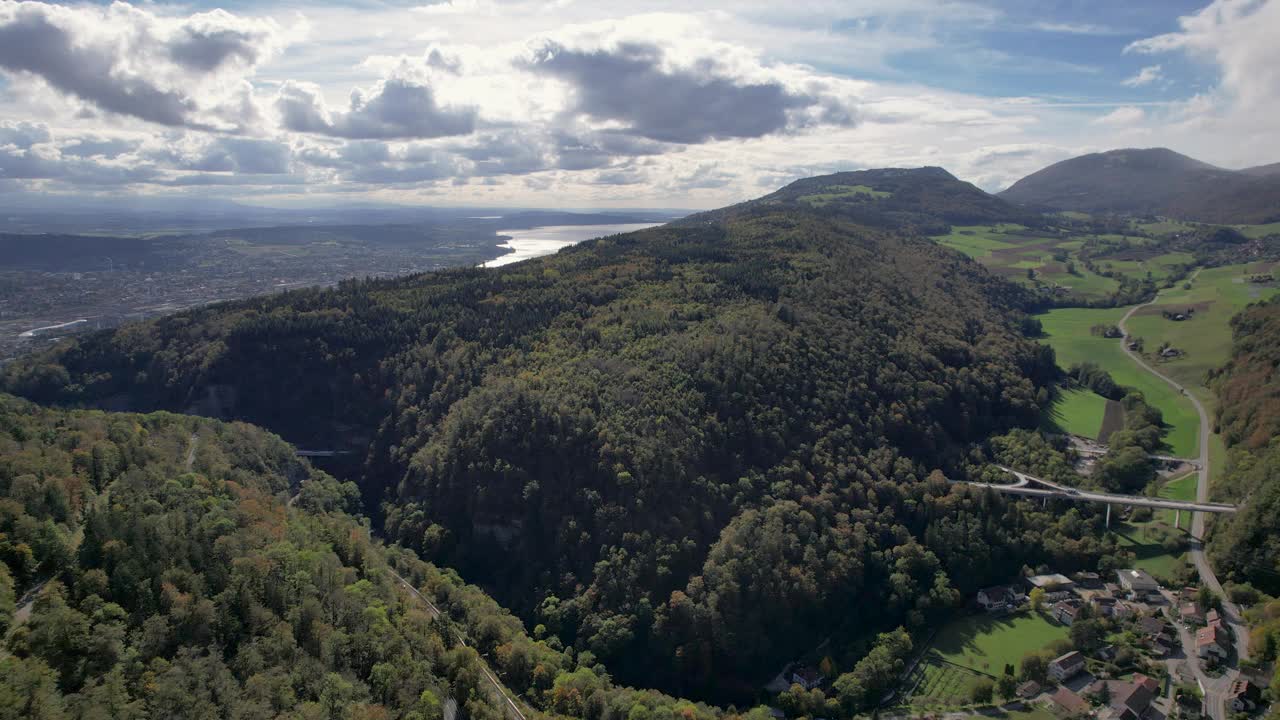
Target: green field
977, 241
835, 192
1078, 412
1142, 539
1158, 267
1183, 488
1149, 553
1054, 255
976, 646
1259, 231
1067, 332
986, 643
1217, 294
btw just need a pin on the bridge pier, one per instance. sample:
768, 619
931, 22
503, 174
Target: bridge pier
1177, 519
1108, 514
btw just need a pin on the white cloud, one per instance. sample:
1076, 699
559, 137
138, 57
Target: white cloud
128, 61
534, 102
1229, 122
1145, 76
1122, 117
1073, 28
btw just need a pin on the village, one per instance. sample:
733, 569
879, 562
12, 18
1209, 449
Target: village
1115, 646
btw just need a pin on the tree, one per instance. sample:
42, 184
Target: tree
1207, 597
1007, 686
1087, 634
982, 691
1035, 667
1037, 598
850, 692
29, 691
1103, 695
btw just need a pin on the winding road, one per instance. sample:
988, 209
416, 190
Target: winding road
499, 692
1215, 688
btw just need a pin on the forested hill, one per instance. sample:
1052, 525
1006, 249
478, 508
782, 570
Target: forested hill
166, 574
1247, 545
923, 200
1152, 181
692, 450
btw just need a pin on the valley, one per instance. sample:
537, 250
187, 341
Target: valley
742, 433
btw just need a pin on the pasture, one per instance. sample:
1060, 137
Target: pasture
1078, 412
837, 192
1215, 295
1067, 331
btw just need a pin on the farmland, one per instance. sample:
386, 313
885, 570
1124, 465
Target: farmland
1055, 257
1078, 412
1213, 296
1067, 331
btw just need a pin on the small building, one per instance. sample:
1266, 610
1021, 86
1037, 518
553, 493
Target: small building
807, 677
1000, 597
1243, 696
1212, 642
1067, 666
1067, 611
1212, 618
1029, 689
1055, 582
1137, 583
1090, 580
1153, 627
1129, 700
1068, 704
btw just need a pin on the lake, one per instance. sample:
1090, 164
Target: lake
539, 241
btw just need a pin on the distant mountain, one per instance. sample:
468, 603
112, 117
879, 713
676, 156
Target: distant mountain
1263, 170
1152, 181
926, 199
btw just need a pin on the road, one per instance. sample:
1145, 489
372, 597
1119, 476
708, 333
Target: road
191, 450
498, 689
1215, 688
27, 602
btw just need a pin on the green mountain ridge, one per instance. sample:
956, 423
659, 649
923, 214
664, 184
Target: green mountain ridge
923, 200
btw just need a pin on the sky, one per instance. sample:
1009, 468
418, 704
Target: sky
590, 103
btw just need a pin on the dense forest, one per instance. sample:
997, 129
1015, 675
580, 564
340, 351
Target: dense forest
175, 566
1247, 546
170, 566
687, 451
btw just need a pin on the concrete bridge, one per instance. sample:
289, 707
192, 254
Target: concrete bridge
1032, 486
